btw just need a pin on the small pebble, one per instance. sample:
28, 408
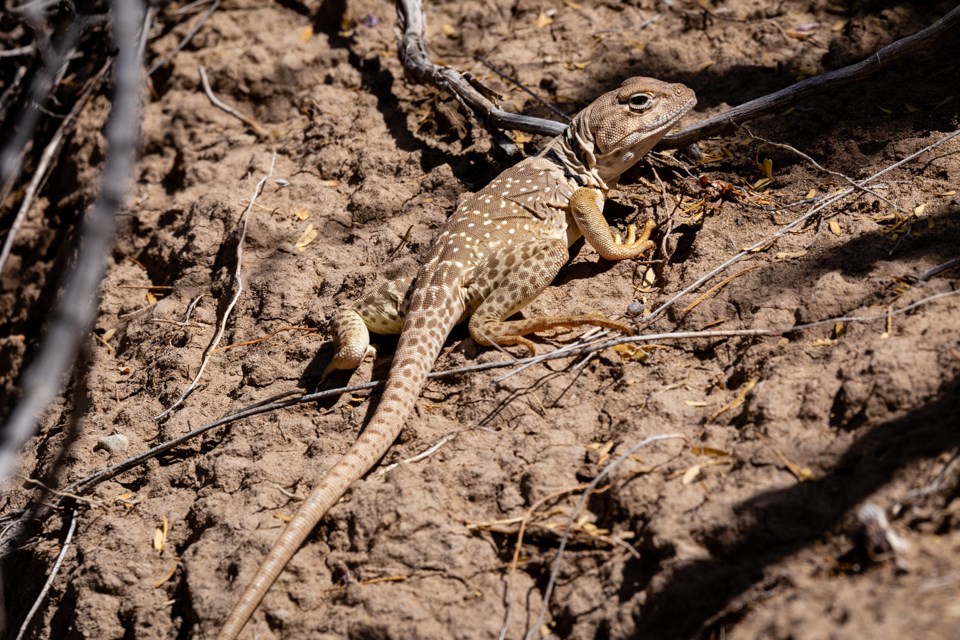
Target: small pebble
114, 443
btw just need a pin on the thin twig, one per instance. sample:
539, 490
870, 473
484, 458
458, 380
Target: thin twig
534, 629
18, 51
237, 276
725, 122
255, 126
555, 111
515, 560
782, 231
817, 165
422, 455
186, 38
53, 574
940, 268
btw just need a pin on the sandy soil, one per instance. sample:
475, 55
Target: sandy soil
747, 530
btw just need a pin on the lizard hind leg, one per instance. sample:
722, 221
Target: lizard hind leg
514, 277
381, 311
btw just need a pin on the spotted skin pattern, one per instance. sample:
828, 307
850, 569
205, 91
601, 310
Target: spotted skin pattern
496, 253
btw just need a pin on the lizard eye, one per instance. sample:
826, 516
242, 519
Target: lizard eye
640, 101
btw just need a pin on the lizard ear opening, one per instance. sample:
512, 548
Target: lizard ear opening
640, 102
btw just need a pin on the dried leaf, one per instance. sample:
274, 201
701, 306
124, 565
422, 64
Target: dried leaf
691, 474
169, 574
787, 255
160, 535
766, 167
542, 20
701, 450
632, 352
308, 236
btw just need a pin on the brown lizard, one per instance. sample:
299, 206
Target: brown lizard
497, 252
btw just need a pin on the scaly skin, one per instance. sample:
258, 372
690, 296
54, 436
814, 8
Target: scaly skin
494, 256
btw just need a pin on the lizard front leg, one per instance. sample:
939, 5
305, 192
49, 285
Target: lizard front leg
508, 281
586, 207
381, 311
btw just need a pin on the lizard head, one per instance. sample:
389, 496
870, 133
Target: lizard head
621, 126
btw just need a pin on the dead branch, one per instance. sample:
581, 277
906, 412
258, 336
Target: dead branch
474, 96
465, 88
42, 170
56, 57
53, 574
779, 100
75, 311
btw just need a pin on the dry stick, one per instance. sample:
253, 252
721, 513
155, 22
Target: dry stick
236, 295
787, 228
413, 55
19, 51
186, 39
555, 567
255, 126
942, 29
53, 573
555, 111
515, 560
818, 166
76, 309
940, 268
415, 60
40, 173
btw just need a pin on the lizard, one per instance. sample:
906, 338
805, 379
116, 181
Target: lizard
500, 248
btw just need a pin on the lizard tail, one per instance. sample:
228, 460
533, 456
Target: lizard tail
427, 326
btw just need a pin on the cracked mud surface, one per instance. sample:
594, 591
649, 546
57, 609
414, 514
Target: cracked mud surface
748, 530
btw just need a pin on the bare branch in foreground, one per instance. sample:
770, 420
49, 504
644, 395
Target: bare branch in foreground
40, 173
17, 140
53, 574
413, 56
76, 309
